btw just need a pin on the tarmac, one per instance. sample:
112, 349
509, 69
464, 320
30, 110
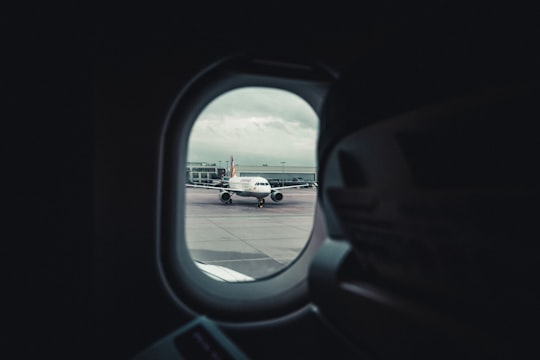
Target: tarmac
254, 241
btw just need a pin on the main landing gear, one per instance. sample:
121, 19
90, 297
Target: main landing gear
260, 203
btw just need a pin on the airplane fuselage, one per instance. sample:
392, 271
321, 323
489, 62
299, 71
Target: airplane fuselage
257, 187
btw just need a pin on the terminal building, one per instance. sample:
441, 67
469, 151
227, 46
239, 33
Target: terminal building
204, 173
279, 175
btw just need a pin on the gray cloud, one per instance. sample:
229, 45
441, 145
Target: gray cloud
256, 125
263, 102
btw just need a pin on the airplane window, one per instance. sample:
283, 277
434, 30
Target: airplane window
251, 164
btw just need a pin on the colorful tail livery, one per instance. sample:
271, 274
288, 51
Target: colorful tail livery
233, 169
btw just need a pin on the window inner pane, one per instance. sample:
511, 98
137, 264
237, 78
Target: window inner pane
251, 183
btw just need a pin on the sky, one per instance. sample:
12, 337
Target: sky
257, 126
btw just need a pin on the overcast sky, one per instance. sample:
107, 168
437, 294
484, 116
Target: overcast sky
257, 126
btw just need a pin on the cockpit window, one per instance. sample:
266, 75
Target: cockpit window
252, 132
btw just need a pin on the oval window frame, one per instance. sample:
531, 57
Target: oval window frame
282, 293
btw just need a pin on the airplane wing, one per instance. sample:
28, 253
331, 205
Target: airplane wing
222, 273
289, 187
213, 188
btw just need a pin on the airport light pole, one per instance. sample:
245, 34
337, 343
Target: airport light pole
282, 173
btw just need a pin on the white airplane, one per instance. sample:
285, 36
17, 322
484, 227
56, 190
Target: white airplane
248, 186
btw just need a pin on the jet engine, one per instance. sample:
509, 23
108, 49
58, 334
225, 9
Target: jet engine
225, 197
276, 196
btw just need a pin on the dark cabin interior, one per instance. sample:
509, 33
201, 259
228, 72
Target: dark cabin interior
86, 89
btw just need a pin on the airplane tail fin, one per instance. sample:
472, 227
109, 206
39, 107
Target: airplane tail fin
233, 169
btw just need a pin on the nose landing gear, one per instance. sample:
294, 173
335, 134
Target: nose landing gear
260, 204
